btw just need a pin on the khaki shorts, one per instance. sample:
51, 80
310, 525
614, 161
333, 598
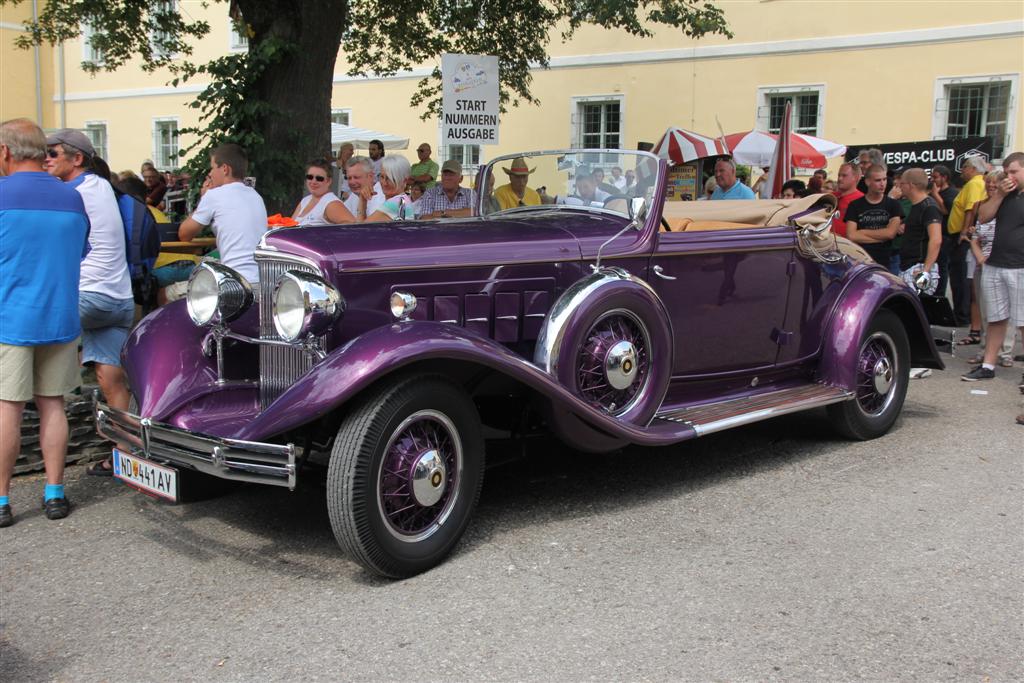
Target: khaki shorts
48, 370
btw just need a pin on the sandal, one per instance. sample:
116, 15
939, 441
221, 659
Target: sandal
103, 468
1006, 362
973, 337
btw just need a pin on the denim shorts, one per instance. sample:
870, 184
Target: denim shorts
106, 322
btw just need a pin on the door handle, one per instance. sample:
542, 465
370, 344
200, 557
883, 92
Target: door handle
660, 273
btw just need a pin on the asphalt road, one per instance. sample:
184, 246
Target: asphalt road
774, 552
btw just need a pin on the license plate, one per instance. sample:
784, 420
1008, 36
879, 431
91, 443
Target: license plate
146, 476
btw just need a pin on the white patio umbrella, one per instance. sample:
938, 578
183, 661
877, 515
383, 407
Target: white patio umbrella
360, 137
756, 148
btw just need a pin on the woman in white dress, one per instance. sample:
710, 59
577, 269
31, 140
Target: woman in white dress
321, 206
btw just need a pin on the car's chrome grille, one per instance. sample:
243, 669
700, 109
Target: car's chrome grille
280, 366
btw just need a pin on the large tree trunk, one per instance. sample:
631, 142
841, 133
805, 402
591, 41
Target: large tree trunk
297, 89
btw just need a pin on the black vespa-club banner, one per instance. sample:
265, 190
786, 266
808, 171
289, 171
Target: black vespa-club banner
928, 153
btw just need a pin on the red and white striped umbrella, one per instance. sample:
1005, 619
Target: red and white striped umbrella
755, 147
679, 146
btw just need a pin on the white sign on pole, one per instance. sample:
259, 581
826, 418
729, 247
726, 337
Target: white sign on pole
469, 113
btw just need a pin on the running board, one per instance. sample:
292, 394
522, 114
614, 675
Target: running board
708, 418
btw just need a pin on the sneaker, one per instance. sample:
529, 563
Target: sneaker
920, 373
978, 373
6, 516
57, 508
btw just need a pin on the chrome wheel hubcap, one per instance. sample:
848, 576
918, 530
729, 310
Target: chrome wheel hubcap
620, 364
883, 375
428, 478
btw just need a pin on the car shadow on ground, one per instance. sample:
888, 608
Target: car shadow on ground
289, 533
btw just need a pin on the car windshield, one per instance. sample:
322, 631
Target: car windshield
600, 180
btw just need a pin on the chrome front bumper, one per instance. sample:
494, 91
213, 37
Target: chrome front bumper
251, 461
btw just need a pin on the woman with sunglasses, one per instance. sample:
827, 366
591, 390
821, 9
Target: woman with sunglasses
321, 206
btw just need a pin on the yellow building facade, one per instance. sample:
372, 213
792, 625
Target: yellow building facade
856, 73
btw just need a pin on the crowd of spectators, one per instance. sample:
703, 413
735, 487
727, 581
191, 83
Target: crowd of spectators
921, 225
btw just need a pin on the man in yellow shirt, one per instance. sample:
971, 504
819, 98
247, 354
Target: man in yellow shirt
516, 193
973, 191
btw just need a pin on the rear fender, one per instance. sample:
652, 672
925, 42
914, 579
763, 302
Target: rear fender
378, 353
871, 291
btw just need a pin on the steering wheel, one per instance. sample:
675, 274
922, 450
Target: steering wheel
613, 197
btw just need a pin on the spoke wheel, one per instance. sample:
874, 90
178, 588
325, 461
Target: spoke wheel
418, 480
883, 372
405, 474
614, 362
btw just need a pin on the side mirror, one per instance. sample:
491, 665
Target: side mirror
637, 211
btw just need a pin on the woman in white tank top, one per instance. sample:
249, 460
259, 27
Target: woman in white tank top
321, 206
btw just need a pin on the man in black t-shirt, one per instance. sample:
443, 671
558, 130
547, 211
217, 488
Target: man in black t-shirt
922, 238
944, 194
874, 219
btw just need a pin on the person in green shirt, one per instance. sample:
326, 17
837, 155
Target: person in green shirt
426, 170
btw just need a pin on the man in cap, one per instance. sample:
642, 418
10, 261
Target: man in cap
448, 199
39, 324
105, 305
515, 192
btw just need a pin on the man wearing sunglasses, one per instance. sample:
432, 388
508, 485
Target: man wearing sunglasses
424, 171
234, 211
105, 304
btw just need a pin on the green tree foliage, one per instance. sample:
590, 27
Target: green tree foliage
275, 99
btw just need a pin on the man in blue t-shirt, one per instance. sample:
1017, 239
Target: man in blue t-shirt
729, 187
39, 324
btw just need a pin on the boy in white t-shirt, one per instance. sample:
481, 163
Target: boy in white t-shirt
235, 211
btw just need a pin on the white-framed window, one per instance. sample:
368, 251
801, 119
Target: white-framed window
597, 122
96, 131
808, 108
90, 53
165, 143
342, 116
467, 155
238, 39
158, 37
973, 106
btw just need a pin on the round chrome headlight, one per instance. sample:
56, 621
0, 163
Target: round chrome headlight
305, 304
217, 294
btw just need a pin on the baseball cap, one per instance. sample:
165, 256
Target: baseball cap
453, 166
72, 138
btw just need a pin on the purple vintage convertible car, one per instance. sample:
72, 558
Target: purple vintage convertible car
388, 351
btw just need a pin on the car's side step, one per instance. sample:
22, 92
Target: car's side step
713, 417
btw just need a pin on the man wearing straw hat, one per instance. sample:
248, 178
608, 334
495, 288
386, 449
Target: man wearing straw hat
516, 193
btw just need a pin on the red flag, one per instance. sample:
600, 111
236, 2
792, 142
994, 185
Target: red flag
780, 170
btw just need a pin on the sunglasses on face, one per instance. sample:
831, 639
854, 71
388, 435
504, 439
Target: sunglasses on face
318, 178
52, 153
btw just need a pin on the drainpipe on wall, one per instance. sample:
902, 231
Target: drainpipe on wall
35, 58
63, 104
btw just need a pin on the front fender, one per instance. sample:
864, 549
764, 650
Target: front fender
165, 365
866, 294
366, 359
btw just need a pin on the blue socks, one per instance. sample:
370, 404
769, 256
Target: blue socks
53, 491
4, 500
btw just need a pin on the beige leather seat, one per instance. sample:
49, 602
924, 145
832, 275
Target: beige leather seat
736, 214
